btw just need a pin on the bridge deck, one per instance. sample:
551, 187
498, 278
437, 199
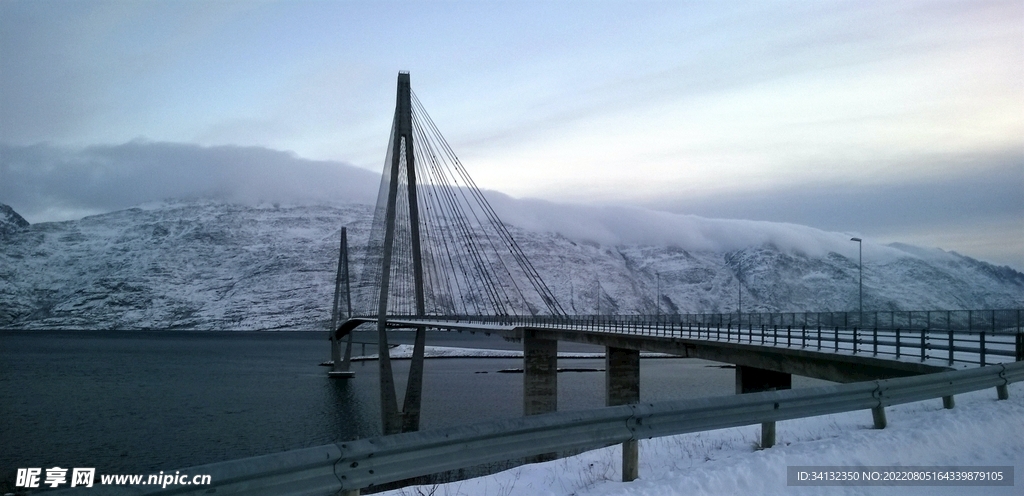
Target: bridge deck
841, 355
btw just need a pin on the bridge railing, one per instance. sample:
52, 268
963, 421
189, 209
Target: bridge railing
968, 337
1006, 321
367, 463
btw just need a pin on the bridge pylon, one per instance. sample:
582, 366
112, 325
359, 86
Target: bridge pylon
340, 367
403, 157
436, 247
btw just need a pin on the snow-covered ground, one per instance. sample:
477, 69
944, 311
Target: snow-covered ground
979, 431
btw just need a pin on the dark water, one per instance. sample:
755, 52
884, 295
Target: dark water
140, 402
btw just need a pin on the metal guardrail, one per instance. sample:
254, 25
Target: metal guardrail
366, 463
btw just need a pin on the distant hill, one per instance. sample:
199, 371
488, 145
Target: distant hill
10, 221
209, 265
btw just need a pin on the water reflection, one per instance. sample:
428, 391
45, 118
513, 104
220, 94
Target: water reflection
352, 411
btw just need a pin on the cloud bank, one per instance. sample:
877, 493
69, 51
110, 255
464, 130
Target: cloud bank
48, 183
616, 225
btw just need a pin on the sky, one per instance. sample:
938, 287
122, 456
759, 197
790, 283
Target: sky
892, 121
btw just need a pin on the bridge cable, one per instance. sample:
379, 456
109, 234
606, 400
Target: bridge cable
532, 275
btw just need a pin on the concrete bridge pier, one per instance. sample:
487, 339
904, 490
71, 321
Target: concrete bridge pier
754, 380
540, 381
540, 374
622, 387
341, 368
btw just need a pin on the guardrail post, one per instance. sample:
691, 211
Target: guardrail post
981, 345
948, 402
1002, 393
622, 387
754, 380
951, 346
1020, 347
924, 346
878, 416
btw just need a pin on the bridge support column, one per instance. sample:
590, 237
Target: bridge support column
540, 375
753, 380
540, 381
622, 387
341, 368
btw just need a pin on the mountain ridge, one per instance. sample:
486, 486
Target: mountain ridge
214, 265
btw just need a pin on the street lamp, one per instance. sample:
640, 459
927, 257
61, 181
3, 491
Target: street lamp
658, 311
739, 288
860, 257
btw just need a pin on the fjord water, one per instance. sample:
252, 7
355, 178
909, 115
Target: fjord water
144, 401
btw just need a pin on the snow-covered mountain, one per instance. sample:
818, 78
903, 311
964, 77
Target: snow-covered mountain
10, 221
210, 265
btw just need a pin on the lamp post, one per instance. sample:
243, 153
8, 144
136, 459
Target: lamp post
658, 311
860, 292
739, 288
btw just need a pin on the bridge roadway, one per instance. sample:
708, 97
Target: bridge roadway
831, 353
766, 357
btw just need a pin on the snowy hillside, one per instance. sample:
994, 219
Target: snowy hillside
206, 265
10, 221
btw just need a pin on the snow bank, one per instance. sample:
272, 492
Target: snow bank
980, 431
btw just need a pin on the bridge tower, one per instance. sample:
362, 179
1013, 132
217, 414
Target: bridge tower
340, 368
402, 158
436, 247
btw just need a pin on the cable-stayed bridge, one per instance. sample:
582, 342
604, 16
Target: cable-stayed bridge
439, 257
